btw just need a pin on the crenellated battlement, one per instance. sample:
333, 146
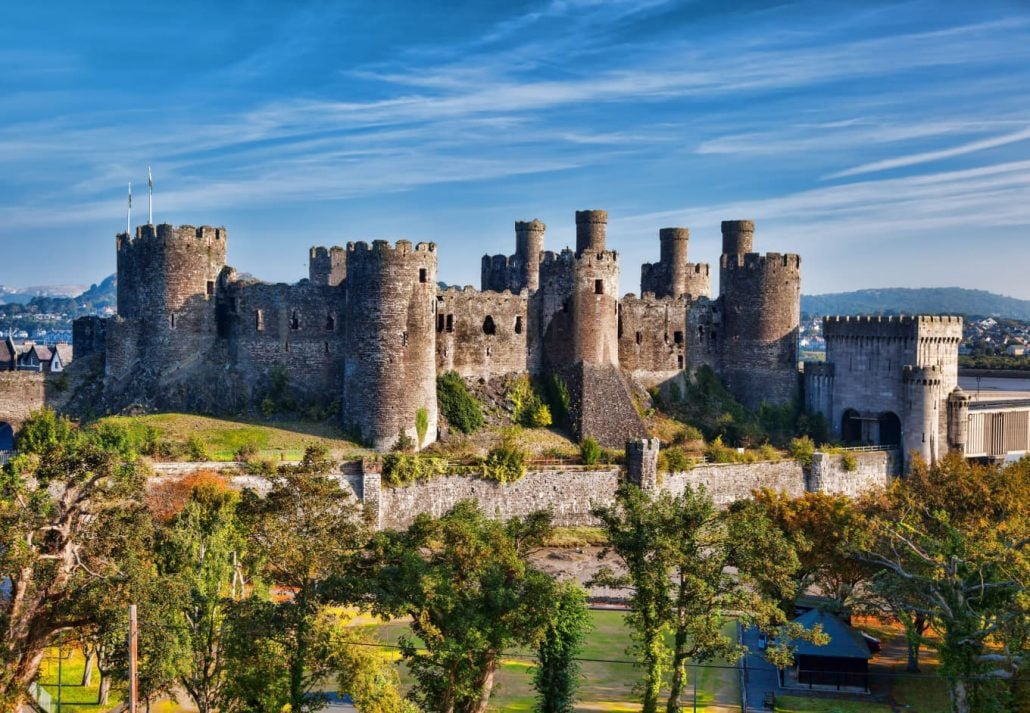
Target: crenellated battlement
165, 232
383, 247
649, 298
756, 261
922, 375
922, 327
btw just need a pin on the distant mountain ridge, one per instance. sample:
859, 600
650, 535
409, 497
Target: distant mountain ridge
922, 300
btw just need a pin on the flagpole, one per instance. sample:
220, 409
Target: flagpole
150, 197
128, 213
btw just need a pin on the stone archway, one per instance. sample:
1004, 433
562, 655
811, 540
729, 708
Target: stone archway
6, 436
851, 426
890, 429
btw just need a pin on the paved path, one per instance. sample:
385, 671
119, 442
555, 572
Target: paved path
761, 676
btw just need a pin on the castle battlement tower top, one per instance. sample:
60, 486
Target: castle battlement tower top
591, 226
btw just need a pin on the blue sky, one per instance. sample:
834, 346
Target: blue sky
887, 143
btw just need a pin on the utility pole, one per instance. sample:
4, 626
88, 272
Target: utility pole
695, 689
133, 664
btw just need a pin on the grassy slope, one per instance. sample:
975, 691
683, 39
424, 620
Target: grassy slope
223, 437
797, 704
74, 697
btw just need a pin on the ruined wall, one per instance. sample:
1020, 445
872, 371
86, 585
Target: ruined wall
550, 311
122, 349
327, 266
704, 320
21, 393
481, 334
520, 271
89, 335
761, 312
297, 328
602, 405
652, 337
390, 367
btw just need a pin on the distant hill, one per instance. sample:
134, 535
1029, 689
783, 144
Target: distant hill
22, 295
924, 300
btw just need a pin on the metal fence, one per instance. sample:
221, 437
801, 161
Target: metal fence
43, 699
6, 456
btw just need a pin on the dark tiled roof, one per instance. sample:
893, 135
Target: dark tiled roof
845, 642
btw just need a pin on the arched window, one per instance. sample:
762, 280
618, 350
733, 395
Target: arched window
518, 325
330, 322
488, 326
295, 320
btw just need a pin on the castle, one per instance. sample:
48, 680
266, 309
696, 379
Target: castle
370, 330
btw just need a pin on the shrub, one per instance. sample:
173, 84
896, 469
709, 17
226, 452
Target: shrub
672, 460
246, 451
769, 452
848, 462
688, 434
505, 462
802, 450
589, 451
404, 443
403, 468
540, 417
718, 452
558, 398
195, 448
421, 425
261, 466
458, 406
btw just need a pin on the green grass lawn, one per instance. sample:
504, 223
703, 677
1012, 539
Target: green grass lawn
222, 438
607, 682
796, 704
75, 698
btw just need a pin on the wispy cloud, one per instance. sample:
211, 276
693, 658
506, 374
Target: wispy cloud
928, 156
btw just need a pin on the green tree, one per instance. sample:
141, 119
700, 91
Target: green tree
465, 582
366, 673
556, 676
589, 451
70, 515
951, 544
199, 549
677, 552
302, 535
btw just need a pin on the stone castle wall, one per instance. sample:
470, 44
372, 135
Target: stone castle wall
652, 337
758, 340
481, 334
390, 370
22, 392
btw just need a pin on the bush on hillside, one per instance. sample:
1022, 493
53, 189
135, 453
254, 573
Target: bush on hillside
457, 404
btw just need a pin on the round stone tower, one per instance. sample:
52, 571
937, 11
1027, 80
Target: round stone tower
166, 280
738, 237
958, 420
529, 244
590, 230
921, 423
390, 367
673, 254
761, 312
595, 308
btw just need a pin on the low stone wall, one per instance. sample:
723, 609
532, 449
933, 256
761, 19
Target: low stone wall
571, 494
568, 494
22, 392
729, 482
873, 470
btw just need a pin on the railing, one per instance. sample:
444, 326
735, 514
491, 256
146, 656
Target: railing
6, 456
866, 448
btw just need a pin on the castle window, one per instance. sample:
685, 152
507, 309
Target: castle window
404, 339
259, 320
679, 361
327, 347
518, 325
439, 322
677, 337
294, 320
598, 287
640, 337
450, 323
171, 320
701, 332
713, 336
210, 288
488, 326
330, 323
489, 351
423, 274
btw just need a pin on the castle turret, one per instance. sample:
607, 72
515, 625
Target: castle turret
737, 237
529, 244
590, 230
595, 308
761, 313
390, 371
167, 279
642, 462
673, 275
958, 420
327, 266
922, 420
